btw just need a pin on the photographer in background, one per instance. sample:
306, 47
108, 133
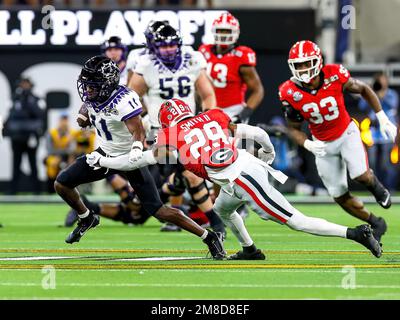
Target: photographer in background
380, 152
60, 143
24, 126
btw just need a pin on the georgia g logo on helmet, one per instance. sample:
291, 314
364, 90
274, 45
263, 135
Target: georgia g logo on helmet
305, 60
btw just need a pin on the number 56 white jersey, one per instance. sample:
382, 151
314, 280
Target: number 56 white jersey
165, 84
109, 117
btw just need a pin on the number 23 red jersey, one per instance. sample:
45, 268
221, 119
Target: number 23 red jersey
201, 141
323, 108
224, 71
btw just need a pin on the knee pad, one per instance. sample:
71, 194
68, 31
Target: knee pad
200, 187
130, 193
178, 185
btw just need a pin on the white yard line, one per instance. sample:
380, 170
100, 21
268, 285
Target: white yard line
198, 285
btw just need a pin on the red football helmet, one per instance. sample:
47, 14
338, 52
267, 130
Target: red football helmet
172, 111
305, 51
226, 29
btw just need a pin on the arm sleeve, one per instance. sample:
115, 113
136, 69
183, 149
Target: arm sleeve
122, 162
291, 113
245, 131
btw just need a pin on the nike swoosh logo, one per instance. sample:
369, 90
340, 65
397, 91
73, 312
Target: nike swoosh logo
386, 201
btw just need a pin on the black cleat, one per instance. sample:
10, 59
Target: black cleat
364, 235
379, 229
381, 194
220, 229
384, 199
71, 218
84, 225
170, 227
214, 243
240, 255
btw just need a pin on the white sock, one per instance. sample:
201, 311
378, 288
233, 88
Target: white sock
236, 224
204, 235
316, 226
84, 215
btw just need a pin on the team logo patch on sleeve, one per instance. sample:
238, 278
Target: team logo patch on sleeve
297, 96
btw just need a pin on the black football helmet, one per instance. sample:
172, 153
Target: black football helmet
98, 79
166, 36
151, 29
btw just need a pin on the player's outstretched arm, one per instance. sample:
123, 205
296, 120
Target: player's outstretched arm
206, 91
387, 128
120, 163
245, 131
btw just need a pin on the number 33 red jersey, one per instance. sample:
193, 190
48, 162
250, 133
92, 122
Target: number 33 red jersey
201, 141
224, 71
324, 107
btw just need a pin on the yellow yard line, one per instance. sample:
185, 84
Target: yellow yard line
149, 251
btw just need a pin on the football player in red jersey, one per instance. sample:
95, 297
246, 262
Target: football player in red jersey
204, 145
315, 94
232, 70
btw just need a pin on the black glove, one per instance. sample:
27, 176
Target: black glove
245, 115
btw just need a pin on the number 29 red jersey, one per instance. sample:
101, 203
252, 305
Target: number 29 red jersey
324, 107
224, 71
201, 141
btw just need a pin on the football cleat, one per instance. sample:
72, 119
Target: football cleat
170, 227
379, 229
71, 218
214, 243
83, 226
220, 229
384, 199
381, 194
364, 235
241, 255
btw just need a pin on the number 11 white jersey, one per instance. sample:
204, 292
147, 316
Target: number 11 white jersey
113, 136
165, 84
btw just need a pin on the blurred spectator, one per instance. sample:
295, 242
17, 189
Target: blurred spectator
60, 146
25, 124
84, 142
380, 152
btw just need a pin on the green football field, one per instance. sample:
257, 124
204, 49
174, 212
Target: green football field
115, 261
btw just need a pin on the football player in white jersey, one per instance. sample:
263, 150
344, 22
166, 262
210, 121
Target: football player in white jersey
173, 70
114, 111
115, 50
135, 54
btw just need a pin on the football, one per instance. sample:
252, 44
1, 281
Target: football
83, 117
